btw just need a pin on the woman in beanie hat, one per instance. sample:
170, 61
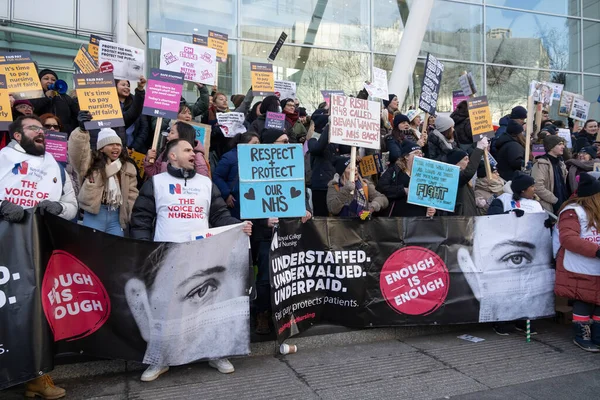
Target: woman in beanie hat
400, 131
550, 174
465, 195
519, 199
578, 261
586, 158
269, 104
108, 180
510, 150
487, 189
441, 139
395, 181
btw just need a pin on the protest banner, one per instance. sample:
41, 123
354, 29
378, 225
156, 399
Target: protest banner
433, 184
557, 89
138, 158
22, 80
538, 150
261, 75
430, 87
481, 118
231, 123
56, 144
596, 167
580, 109
379, 87
566, 134
200, 40
275, 121
285, 89
84, 63
5, 109
219, 42
541, 92
457, 97
163, 94
197, 64
98, 95
370, 165
202, 136
94, 46
409, 271
354, 122
271, 180
125, 62
328, 93
467, 84
277, 46
566, 101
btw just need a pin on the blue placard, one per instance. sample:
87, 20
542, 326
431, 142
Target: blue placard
271, 180
433, 184
200, 133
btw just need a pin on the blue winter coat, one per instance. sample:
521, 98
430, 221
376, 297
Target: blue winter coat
227, 179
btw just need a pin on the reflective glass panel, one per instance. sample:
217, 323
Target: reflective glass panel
192, 16
591, 9
591, 47
591, 90
563, 7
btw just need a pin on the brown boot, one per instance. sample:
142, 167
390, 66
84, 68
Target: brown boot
262, 323
44, 388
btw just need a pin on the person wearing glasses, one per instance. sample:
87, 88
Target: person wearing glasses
51, 123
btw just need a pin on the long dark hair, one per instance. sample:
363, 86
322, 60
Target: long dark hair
252, 115
243, 138
99, 160
186, 132
129, 98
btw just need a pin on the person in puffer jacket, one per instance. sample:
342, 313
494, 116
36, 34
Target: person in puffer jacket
486, 190
578, 261
510, 150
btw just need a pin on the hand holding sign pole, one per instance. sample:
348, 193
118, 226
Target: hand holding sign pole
529, 128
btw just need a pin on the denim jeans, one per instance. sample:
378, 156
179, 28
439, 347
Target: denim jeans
106, 221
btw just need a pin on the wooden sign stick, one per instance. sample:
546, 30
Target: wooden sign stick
529, 128
159, 121
352, 165
424, 130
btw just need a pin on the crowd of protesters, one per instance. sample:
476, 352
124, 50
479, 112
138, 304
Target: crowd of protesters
101, 187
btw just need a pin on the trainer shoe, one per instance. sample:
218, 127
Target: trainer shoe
153, 372
222, 365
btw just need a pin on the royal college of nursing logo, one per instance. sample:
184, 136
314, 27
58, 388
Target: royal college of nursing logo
175, 188
20, 168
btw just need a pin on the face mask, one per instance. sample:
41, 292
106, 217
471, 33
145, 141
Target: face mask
212, 332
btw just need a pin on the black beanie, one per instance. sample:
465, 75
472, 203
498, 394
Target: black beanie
521, 182
518, 112
398, 118
390, 98
269, 103
341, 164
550, 128
408, 147
514, 128
269, 136
588, 186
591, 150
481, 173
455, 156
46, 72
551, 141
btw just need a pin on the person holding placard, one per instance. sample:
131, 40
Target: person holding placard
269, 104
415, 134
518, 114
441, 141
395, 181
510, 150
550, 174
137, 129
462, 125
297, 131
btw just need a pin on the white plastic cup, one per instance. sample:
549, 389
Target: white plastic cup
288, 348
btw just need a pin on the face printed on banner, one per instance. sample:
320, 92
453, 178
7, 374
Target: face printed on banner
32, 137
123, 88
509, 269
47, 80
112, 151
188, 310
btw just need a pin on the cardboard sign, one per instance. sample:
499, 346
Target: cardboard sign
566, 134
538, 150
84, 63
557, 89
277, 46
457, 97
271, 180
370, 165
467, 84
354, 122
433, 184
275, 121
379, 87
328, 93
285, 89
481, 118
196, 63
5, 109
98, 95
430, 88
491, 159
163, 94
125, 62
138, 158
566, 101
263, 83
231, 123
202, 135
200, 40
219, 42
580, 109
596, 167
56, 144
541, 92
22, 79
94, 46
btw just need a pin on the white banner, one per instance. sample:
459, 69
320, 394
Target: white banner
285, 89
125, 62
354, 122
231, 123
379, 87
580, 109
197, 63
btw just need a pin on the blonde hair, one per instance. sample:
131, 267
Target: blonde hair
591, 205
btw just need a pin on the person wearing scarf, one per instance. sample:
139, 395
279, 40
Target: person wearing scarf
352, 199
297, 130
108, 180
487, 189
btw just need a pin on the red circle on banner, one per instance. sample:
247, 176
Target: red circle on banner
278, 95
414, 281
106, 67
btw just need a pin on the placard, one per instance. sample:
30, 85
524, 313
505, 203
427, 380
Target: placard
231, 123
56, 144
22, 80
271, 180
125, 62
98, 95
5, 109
277, 46
84, 63
138, 158
163, 94
200, 40
481, 118
202, 135
93, 46
467, 84
196, 63
541, 92
433, 184
566, 134
379, 87
580, 109
538, 150
285, 89
328, 93
263, 83
566, 101
596, 167
557, 89
430, 87
354, 122
275, 120
457, 97
219, 42
370, 165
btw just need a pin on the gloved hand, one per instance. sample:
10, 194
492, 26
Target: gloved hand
11, 212
51, 207
82, 118
519, 213
549, 222
483, 143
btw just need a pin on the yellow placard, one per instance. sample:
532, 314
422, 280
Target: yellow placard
138, 158
263, 82
84, 62
481, 118
22, 80
94, 46
5, 109
98, 95
219, 42
367, 166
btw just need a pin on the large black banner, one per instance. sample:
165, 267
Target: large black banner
410, 271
